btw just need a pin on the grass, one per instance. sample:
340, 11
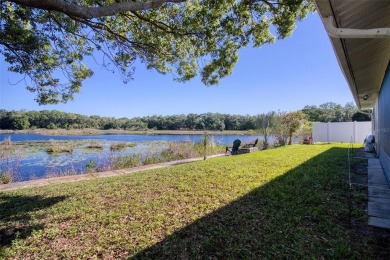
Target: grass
288, 202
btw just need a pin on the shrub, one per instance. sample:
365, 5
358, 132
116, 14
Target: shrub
51, 126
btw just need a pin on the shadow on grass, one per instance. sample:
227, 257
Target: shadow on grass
18, 212
302, 214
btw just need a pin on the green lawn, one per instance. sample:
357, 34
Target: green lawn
289, 202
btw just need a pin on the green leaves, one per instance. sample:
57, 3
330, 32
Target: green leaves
198, 37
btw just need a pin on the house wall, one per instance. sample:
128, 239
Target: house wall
383, 131
345, 132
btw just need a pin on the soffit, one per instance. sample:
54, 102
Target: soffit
363, 61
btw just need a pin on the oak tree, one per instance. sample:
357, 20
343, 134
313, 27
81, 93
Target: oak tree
47, 41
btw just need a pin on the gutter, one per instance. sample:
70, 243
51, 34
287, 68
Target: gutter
354, 33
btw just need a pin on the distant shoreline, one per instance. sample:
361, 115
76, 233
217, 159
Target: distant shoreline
88, 132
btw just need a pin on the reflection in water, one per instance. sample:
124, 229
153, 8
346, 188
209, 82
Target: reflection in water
38, 164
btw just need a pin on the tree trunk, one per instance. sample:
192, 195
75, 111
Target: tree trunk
205, 144
86, 12
265, 143
290, 139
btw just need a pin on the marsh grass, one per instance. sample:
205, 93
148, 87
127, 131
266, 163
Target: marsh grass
57, 147
174, 151
125, 161
186, 150
91, 166
121, 146
5, 178
152, 159
7, 142
52, 172
10, 161
10, 167
95, 146
289, 202
6, 147
178, 151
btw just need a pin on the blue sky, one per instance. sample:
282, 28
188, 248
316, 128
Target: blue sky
294, 72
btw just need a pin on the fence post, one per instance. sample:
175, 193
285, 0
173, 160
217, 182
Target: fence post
328, 132
354, 131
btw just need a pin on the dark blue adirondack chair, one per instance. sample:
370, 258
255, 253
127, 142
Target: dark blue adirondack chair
234, 149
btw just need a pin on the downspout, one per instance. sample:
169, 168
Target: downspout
354, 33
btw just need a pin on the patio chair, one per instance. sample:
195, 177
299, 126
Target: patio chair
234, 149
307, 140
254, 144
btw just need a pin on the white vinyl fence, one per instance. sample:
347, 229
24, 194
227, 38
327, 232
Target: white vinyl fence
341, 132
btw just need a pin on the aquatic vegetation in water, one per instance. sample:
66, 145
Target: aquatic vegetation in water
121, 146
59, 158
97, 146
59, 147
94, 144
55, 150
6, 147
10, 161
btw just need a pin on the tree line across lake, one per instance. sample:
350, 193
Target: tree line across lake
52, 119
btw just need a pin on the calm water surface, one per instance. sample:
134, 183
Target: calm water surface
219, 139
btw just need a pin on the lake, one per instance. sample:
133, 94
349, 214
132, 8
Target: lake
32, 161
219, 139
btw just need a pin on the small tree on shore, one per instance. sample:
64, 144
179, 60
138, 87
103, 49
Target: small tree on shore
266, 123
292, 122
205, 143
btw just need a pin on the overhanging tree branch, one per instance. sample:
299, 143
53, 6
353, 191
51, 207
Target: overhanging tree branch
87, 12
39, 38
